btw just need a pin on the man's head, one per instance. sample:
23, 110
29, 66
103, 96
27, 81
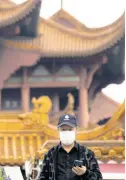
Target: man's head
67, 119
67, 127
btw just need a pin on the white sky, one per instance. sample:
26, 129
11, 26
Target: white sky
92, 13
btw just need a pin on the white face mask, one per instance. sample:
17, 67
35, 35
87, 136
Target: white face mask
67, 137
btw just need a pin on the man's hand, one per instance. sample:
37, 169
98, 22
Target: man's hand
79, 170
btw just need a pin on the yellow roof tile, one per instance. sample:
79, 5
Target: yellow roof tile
10, 13
57, 40
19, 143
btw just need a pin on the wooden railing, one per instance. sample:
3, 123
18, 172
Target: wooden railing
104, 150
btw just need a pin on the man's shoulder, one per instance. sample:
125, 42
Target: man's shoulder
50, 151
86, 150
89, 152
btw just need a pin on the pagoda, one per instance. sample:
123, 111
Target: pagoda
60, 55
42, 61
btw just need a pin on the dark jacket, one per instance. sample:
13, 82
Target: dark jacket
87, 156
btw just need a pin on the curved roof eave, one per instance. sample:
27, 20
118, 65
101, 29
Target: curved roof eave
56, 40
13, 13
80, 27
6, 4
87, 32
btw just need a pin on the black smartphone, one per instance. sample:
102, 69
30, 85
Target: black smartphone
78, 163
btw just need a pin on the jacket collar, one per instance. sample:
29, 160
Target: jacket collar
76, 145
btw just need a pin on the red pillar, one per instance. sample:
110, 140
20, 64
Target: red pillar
0, 99
83, 100
84, 115
56, 105
25, 94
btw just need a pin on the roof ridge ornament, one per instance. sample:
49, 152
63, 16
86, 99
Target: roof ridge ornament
61, 4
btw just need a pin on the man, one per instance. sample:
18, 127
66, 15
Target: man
58, 163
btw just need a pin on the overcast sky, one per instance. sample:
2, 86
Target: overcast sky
92, 13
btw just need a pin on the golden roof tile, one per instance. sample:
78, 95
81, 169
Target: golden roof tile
104, 150
10, 13
56, 39
80, 26
18, 142
64, 18
6, 4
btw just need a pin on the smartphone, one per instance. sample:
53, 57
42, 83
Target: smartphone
78, 163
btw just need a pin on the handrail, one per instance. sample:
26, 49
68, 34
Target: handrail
95, 143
